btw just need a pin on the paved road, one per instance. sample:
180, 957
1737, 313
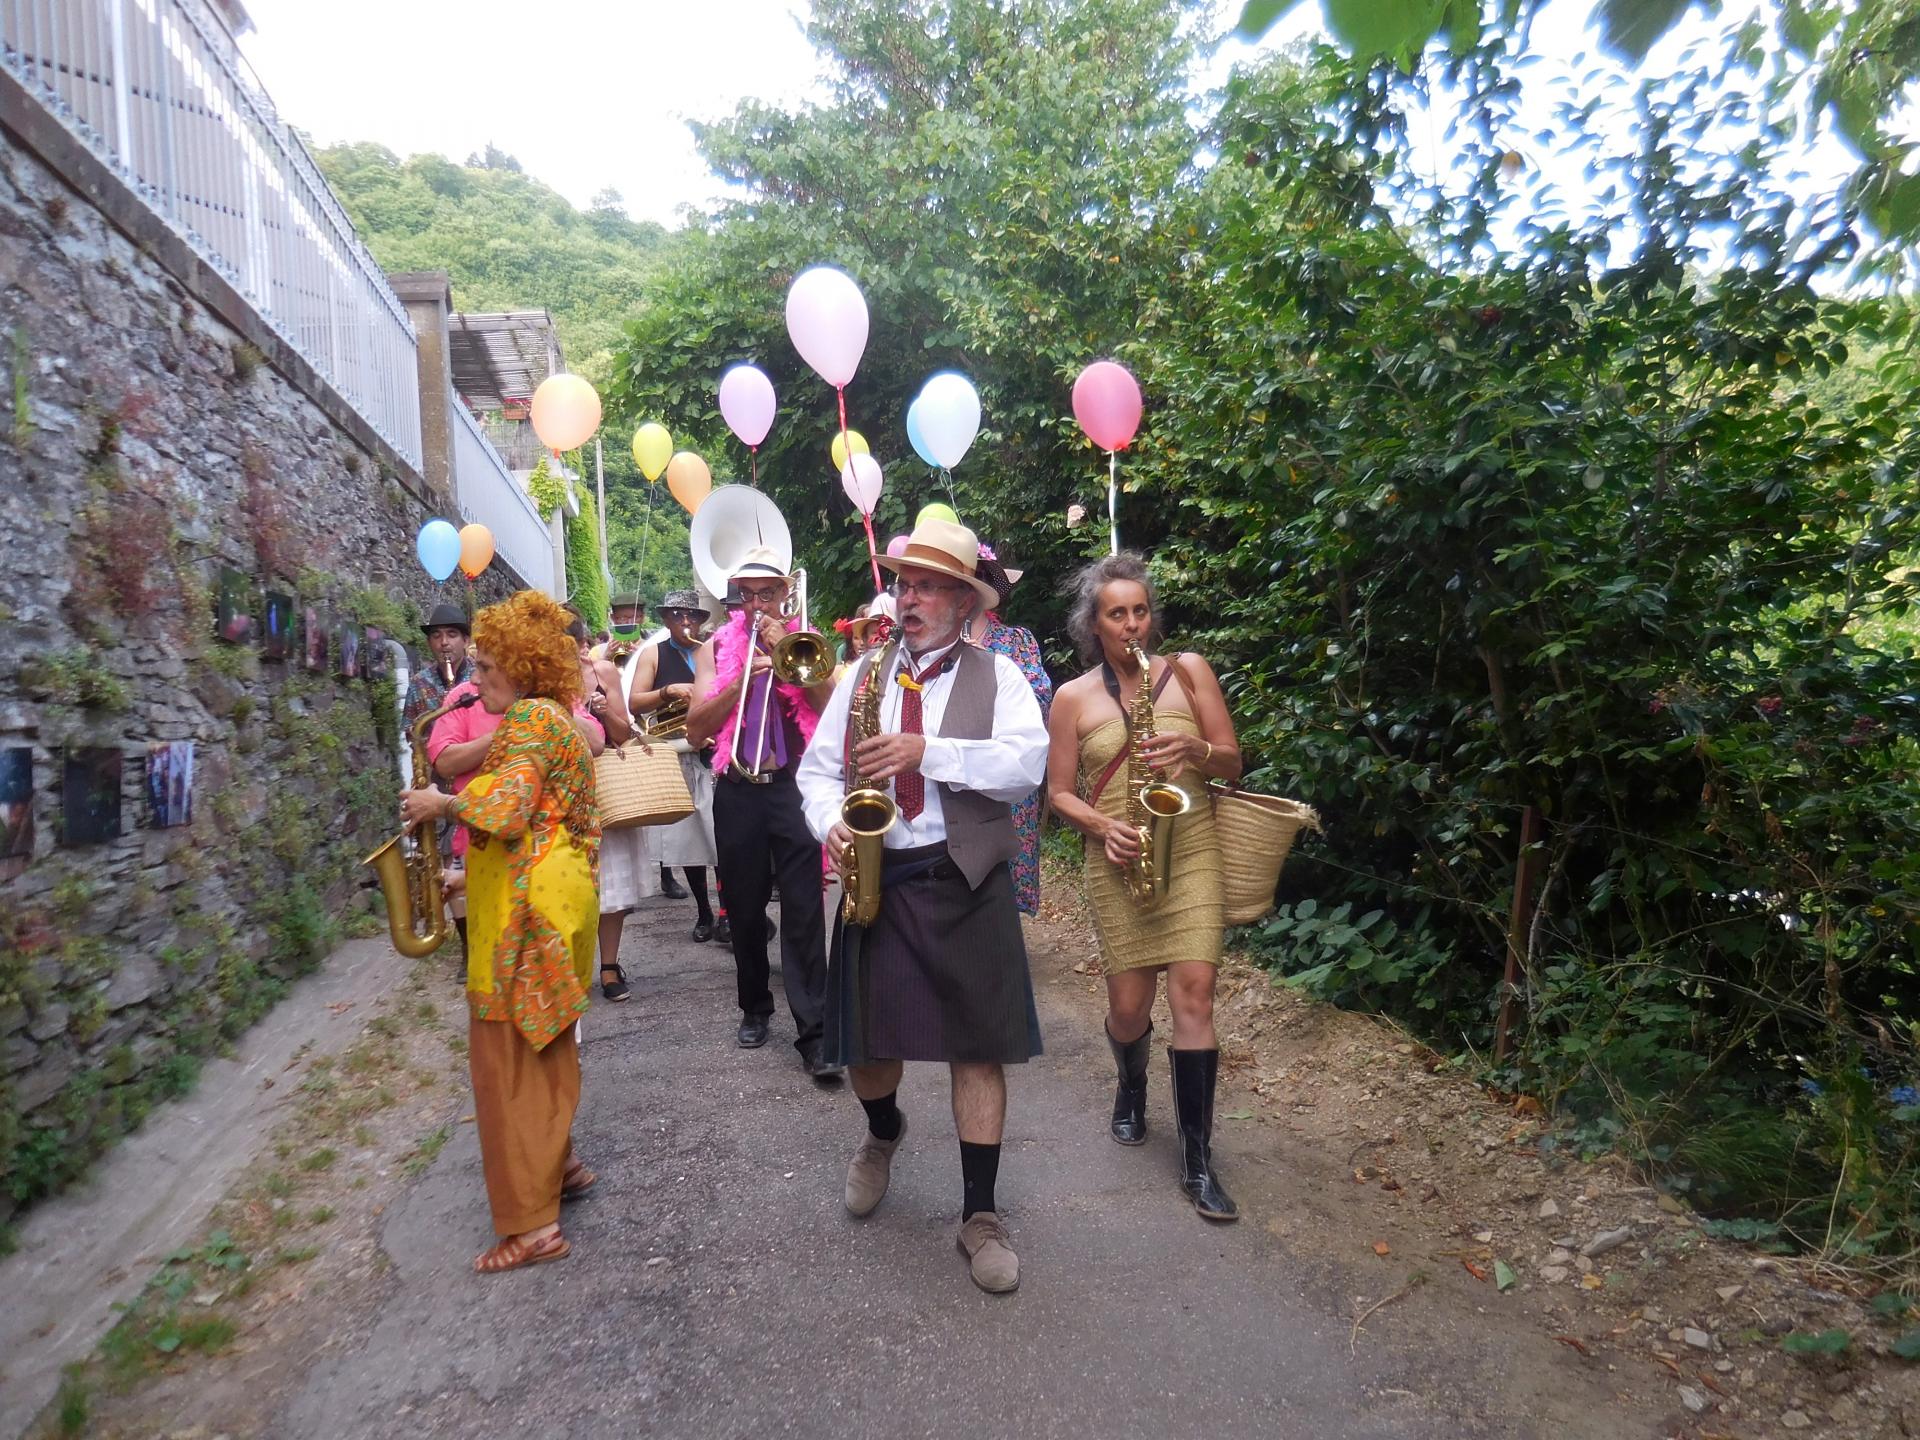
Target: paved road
718, 1288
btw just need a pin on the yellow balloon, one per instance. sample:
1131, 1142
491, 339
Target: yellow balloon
566, 412
689, 479
652, 448
476, 550
855, 441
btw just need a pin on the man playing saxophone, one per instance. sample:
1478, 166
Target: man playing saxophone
953, 732
1140, 739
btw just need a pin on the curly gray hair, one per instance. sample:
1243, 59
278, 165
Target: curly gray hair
1083, 590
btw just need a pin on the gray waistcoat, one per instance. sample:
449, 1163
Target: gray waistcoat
980, 832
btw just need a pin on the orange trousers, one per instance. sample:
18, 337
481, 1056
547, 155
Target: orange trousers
523, 1104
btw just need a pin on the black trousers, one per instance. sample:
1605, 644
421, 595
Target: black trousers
761, 834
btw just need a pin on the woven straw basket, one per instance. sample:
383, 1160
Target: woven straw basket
640, 786
1256, 832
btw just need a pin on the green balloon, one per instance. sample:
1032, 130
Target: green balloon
938, 510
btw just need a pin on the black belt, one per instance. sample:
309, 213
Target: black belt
739, 776
918, 862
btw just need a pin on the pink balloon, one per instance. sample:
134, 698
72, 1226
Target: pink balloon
1106, 402
746, 403
827, 320
896, 547
860, 478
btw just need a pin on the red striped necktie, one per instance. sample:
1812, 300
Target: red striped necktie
910, 790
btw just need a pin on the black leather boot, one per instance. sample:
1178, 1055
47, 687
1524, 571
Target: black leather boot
1130, 1094
1195, 1073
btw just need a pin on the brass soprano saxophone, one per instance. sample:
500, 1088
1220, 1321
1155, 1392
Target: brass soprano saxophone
868, 811
410, 883
1152, 804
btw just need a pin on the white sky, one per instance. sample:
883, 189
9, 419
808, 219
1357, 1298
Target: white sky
587, 95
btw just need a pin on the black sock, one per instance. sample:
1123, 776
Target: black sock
697, 883
979, 1167
883, 1116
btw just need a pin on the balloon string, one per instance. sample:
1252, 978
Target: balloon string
866, 516
753, 464
946, 482
646, 532
1113, 500
873, 552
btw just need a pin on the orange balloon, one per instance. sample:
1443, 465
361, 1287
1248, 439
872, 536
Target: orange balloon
566, 412
689, 479
476, 550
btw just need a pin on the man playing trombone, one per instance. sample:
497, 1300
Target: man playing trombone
938, 971
760, 723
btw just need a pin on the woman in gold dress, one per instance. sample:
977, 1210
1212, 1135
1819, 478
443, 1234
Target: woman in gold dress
1193, 741
532, 914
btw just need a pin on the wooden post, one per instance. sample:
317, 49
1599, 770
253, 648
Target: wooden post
1518, 923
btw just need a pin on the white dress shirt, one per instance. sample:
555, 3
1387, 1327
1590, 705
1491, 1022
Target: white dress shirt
1007, 766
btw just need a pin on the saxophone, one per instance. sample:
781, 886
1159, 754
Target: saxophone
868, 811
410, 882
1152, 805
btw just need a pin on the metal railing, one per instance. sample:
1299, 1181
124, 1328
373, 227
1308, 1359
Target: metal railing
516, 442
490, 496
157, 91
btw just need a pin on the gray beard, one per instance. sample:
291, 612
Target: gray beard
933, 644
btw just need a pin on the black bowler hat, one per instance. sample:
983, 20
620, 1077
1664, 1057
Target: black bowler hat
445, 614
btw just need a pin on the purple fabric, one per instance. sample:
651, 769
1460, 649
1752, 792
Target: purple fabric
774, 757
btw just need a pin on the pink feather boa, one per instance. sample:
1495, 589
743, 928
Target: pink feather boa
729, 659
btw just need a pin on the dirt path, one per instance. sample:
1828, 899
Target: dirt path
717, 1285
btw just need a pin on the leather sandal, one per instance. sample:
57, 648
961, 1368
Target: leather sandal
577, 1181
513, 1253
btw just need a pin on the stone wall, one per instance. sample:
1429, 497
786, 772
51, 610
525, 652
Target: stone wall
148, 446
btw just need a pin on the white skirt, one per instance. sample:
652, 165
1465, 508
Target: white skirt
629, 868
690, 841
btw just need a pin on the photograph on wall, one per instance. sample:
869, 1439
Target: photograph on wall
170, 783
277, 629
314, 629
378, 659
16, 810
233, 615
346, 650
90, 796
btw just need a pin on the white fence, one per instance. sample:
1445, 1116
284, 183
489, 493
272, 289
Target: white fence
156, 90
489, 495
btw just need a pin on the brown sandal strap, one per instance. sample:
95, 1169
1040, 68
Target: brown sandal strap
577, 1181
512, 1253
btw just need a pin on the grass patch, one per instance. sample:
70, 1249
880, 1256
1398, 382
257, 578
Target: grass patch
319, 1160
296, 1255
320, 1215
428, 1150
73, 1403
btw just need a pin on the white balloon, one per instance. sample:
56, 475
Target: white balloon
860, 478
827, 320
949, 417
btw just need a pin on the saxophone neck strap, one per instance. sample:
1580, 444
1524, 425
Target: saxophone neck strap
1112, 682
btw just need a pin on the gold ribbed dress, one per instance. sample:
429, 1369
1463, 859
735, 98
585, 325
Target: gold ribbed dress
1188, 921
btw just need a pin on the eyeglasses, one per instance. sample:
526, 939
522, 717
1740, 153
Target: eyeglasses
770, 595
925, 589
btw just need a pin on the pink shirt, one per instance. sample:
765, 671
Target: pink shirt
475, 722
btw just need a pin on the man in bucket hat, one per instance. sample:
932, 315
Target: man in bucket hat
664, 676
759, 726
941, 972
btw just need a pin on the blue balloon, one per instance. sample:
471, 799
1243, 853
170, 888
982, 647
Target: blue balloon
438, 547
915, 438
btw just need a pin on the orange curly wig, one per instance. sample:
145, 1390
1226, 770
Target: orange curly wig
526, 637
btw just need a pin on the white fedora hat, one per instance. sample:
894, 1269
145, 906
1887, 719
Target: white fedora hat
946, 549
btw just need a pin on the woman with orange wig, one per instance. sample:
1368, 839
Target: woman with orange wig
532, 915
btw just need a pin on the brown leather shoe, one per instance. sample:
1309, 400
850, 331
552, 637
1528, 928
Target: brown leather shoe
983, 1240
872, 1166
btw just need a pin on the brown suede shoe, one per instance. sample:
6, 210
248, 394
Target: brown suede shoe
872, 1166
983, 1240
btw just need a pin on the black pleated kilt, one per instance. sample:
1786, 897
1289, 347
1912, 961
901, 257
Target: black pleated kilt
941, 974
